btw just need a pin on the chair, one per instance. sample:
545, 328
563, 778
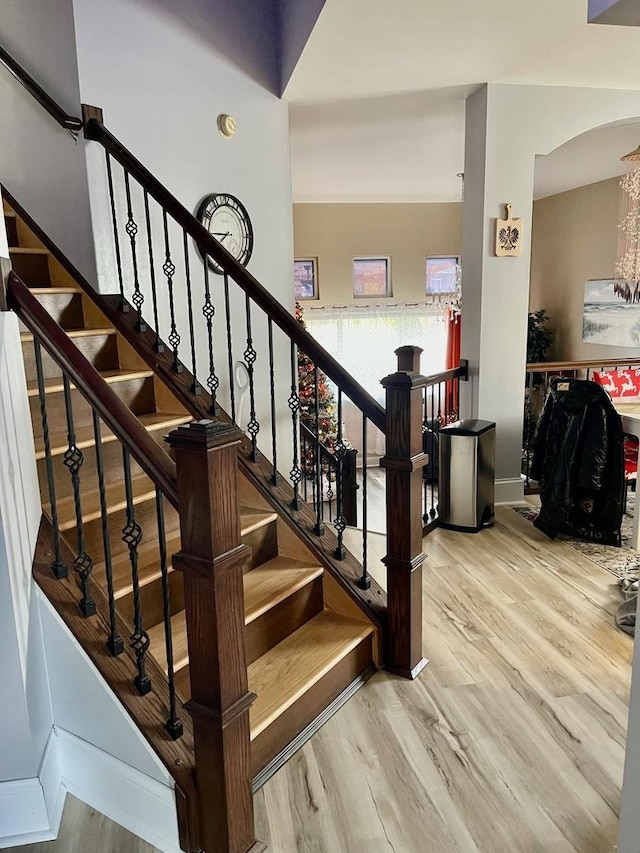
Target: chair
624, 386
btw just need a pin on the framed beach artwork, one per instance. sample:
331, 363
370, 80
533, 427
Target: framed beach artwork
611, 313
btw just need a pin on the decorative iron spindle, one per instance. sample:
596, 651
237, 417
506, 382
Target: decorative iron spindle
340, 451
272, 387
132, 230
73, 459
124, 305
439, 417
131, 536
294, 405
169, 269
365, 580
250, 355
227, 310
208, 310
195, 388
114, 641
158, 345
173, 724
58, 566
319, 526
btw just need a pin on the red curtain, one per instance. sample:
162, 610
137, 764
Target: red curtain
453, 319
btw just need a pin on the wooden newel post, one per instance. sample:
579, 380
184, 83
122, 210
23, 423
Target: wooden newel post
403, 461
211, 560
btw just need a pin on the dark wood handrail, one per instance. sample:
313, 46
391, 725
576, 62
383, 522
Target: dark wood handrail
120, 420
36, 91
548, 366
97, 132
459, 372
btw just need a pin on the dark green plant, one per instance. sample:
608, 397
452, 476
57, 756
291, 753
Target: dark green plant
539, 337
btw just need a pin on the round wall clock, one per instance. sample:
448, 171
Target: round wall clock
226, 218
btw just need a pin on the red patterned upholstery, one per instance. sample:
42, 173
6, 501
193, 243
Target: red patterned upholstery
624, 386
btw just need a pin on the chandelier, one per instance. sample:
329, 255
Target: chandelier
627, 269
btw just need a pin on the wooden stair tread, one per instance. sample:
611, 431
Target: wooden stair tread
264, 587
287, 671
142, 488
251, 519
53, 291
20, 250
110, 376
85, 437
273, 582
148, 565
26, 337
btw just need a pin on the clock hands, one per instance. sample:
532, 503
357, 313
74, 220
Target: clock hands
221, 234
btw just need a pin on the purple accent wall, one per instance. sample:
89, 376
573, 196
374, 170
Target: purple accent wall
297, 19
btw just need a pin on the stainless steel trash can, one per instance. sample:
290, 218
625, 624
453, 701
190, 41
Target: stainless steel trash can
466, 488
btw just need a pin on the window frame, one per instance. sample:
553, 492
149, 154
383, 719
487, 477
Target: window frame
314, 265
428, 293
388, 284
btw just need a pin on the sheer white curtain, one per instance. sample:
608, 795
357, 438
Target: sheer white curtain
364, 339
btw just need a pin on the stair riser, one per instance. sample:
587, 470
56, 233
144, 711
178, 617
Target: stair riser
263, 543
32, 269
145, 513
100, 350
65, 308
284, 729
137, 394
277, 623
151, 604
113, 471
10, 223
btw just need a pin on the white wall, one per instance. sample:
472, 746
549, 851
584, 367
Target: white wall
161, 98
506, 127
40, 164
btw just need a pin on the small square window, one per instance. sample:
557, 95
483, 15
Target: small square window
371, 277
442, 273
306, 278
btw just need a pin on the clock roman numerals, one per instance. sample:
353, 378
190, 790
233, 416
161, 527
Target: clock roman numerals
226, 219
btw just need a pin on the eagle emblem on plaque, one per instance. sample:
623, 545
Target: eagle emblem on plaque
508, 236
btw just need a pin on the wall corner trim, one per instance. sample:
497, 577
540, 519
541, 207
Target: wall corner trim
510, 490
31, 809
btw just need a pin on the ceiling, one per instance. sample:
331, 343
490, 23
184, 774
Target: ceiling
377, 98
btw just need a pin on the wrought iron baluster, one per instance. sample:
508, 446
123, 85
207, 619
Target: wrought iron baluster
58, 566
132, 229
158, 345
425, 470
250, 355
435, 429
173, 724
227, 309
114, 641
124, 305
340, 452
131, 536
319, 526
208, 310
73, 459
365, 580
272, 386
440, 416
195, 388
169, 269
294, 405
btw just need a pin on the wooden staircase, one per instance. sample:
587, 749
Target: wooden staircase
307, 644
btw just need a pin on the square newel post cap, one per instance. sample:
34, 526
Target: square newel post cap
409, 359
204, 435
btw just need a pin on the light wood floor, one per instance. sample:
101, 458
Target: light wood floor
511, 741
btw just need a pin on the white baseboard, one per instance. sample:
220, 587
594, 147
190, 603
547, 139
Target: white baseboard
132, 799
31, 809
509, 490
